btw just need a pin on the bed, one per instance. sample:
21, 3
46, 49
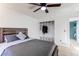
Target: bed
26, 47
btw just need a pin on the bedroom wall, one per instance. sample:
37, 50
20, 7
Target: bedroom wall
61, 30
9, 18
61, 17
61, 27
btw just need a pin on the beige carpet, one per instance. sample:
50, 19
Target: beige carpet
73, 50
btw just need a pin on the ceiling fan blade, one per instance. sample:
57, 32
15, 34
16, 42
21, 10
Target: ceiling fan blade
54, 5
35, 4
43, 4
46, 11
37, 9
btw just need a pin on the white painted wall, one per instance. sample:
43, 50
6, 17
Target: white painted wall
62, 32
61, 16
61, 28
9, 18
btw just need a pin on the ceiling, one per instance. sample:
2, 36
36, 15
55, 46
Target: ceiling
27, 9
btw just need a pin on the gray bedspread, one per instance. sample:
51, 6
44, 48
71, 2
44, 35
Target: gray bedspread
30, 48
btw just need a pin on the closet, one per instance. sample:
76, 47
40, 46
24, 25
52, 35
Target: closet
47, 30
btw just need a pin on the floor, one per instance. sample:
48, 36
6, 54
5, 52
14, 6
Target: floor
73, 50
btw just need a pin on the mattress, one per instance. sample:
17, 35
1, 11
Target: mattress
31, 48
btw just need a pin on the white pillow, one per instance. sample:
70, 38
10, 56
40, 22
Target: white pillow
21, 36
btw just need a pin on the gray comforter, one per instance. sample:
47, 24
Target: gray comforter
30, 48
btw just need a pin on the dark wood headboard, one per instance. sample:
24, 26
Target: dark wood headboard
10, 31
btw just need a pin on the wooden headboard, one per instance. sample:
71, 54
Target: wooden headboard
10, 31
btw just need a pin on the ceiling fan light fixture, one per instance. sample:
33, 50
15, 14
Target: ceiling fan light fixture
43, 8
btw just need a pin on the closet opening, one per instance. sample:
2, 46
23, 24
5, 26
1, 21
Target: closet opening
47, 30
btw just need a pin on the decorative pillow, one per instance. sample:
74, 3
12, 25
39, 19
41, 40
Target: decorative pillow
10, 38
21, 36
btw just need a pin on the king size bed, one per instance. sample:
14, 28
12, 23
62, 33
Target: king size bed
25, 47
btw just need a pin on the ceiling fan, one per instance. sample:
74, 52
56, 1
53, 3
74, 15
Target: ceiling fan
43, 6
